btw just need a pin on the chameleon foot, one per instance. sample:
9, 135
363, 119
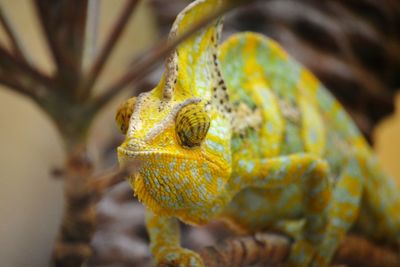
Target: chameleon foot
178, 257
301, 254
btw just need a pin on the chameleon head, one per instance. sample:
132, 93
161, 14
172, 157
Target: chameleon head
180, 130
183, 145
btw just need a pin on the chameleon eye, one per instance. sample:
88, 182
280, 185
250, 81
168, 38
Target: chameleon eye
124, 113
192, 123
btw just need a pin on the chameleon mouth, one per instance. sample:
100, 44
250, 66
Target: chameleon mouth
145, 153
127, 155
131, 153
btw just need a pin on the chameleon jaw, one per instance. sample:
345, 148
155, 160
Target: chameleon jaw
127, 155
166, 180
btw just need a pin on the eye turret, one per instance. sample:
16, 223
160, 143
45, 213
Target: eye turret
192, 123
124, 113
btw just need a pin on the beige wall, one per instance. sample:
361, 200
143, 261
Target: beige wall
30, 200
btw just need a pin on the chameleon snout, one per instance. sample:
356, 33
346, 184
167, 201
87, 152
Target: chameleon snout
131, 153
134, 144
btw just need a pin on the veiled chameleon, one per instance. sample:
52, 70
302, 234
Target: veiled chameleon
243, 133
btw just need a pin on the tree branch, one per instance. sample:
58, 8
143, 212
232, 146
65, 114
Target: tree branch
272, 249
21, 77
63, 22
127, 10
72, 246
265, 249
16, 86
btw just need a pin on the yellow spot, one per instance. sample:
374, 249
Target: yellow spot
308, 86
352, 184
277, 50
312, 129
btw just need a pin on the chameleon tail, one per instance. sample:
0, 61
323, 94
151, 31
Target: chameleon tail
380, 219
365, 200
379, 215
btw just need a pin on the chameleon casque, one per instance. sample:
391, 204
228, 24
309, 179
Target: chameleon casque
241, 132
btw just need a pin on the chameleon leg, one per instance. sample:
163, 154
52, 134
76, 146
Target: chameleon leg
312, 175
343, 211
165, 243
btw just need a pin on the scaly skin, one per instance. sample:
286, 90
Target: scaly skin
243, 133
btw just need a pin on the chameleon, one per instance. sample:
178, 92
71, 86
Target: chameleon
243, 133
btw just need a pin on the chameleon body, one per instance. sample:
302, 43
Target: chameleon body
243, 133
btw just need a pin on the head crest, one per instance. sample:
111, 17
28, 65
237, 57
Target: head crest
189, 68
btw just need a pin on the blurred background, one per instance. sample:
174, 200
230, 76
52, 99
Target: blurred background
353, 47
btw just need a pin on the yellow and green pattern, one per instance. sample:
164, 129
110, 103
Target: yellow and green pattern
243, 133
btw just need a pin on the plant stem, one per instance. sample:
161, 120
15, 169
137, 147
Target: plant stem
72, 246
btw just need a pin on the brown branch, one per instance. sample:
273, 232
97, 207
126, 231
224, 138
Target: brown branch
16, 86
269, 249
63, 22
72, 247
22, 78
145, 64
17, 47
248, 250
114, 35
358, 251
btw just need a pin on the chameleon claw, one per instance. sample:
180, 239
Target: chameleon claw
178, 257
